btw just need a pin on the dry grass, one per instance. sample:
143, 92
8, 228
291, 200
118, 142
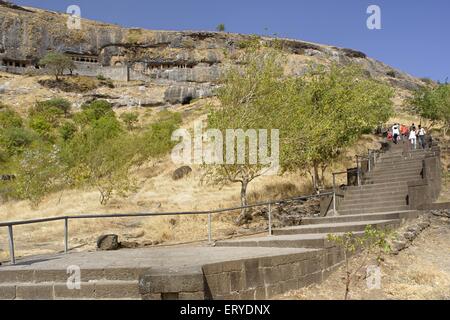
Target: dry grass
157, 193
420, 272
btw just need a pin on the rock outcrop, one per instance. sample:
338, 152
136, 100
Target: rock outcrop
188, 64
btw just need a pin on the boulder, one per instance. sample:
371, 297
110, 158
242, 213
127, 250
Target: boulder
108, 242
410, 236
181, 173
398, 246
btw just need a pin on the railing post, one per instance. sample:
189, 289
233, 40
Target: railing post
11, 244
358, 172
334, 194
209, 228
370, 161
66, 235
270, 219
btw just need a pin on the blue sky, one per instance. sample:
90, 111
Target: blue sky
414, 36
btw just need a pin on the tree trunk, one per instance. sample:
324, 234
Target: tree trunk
316, 177
347, 275
245, 216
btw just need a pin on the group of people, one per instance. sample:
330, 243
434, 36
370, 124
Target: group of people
416, 135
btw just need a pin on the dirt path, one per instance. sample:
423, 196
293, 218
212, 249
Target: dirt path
420, 272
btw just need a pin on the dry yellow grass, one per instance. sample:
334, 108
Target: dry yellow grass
157, 193
420, 272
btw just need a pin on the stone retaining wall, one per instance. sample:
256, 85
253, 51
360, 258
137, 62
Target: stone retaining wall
425, 191
248, 279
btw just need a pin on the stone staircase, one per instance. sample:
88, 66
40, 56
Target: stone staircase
250, 268
385, 188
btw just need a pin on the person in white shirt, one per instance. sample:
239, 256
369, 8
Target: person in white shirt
413, 139
422, 134
396, 133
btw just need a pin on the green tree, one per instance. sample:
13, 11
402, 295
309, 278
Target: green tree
46, 117
328, 110
249, 99
220, 27
94, 111
57, 106
433, 103
100, 156
57, 63
372, 243
38, 173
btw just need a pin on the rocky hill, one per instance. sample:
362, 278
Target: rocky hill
184, 65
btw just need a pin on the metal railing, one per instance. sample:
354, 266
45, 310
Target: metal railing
66, 219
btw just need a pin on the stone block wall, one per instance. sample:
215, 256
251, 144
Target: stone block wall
248, 279
424, 192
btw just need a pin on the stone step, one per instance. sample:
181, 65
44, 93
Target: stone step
315, 240
375, 193
393, 177
390, 171
336, 227
19, 275
377, 180
403, 157
393, 174
374, 197
395, 215
99, 290
387, 186
363, 210
397, 168
348, 205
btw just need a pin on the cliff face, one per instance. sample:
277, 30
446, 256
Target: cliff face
188, 63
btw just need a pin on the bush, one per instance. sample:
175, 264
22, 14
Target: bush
220, 27
94, 111
9, 118
15, 140
391, 74
130, 119
56, 106
42, 127
67, 131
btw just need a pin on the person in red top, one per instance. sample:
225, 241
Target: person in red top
390, 137
404, 131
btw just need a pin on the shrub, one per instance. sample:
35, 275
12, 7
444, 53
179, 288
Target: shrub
372, 242
67, 131
9, 118
156, 140
220, 27
94, 111
14, 140
42, 127
57, 106
130, 119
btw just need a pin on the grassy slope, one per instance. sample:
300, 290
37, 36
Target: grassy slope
157, 192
